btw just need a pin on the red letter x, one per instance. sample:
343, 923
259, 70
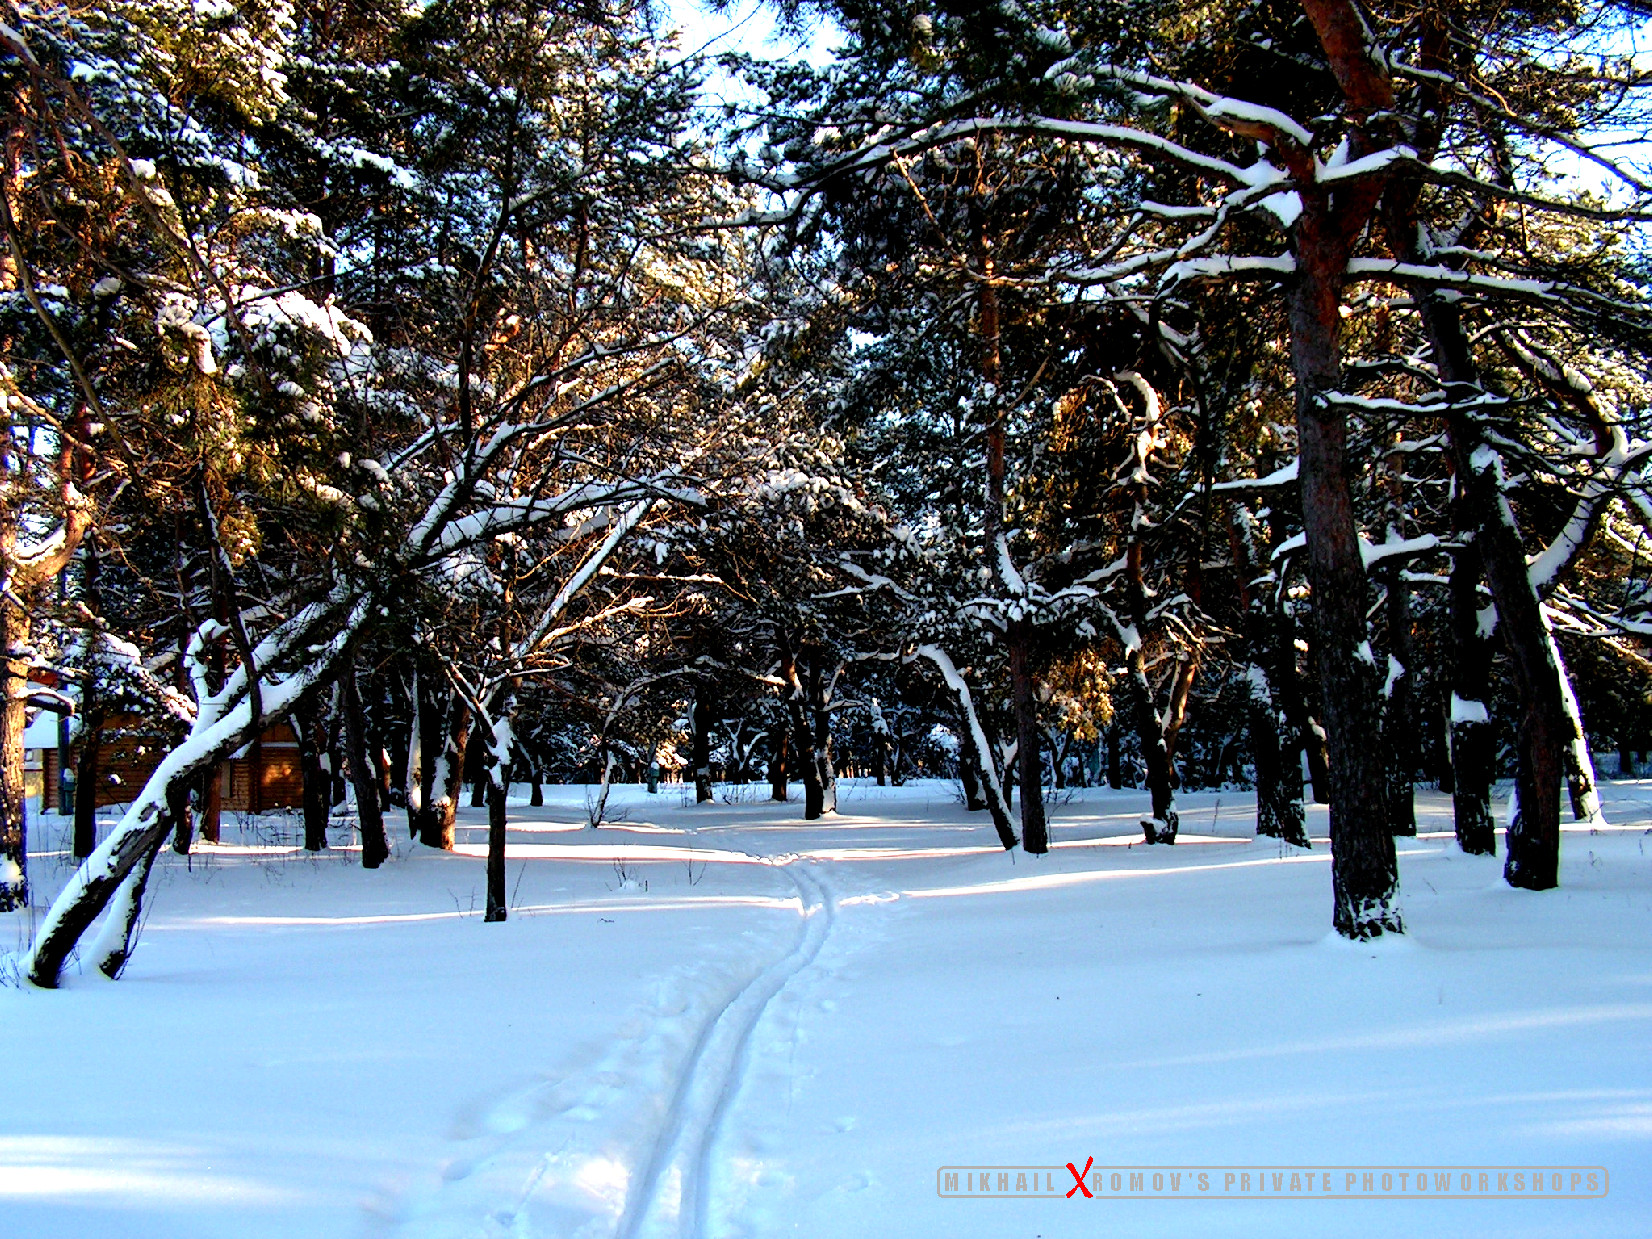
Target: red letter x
1078, 1186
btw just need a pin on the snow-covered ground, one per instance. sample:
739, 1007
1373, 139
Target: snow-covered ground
719, 1020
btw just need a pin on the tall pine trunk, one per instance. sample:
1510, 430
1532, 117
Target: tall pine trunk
178, 808
447, 777
318, 784
777, 761
1035, 835
1473, 744
477, 774
500, 753
88, 772
1533, 835
14, 844
1546, 740
375, 844
1364, 870
1399, 716
1278, 780
700, 713
1163, 825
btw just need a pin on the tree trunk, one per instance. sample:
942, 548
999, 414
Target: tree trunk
375, 844
318, 784
1163, 825
1473, 745
477, 775
814, 794
1549, 739
87, 772
255, 775
1035, 835
500, 755
1399, 716
1115, 775
14, 846
700, 748
1278, 777
212, 801
777, 762
827, 777
58, 938
1533, 835
444, 778
113, 949
414, 777
334, 754
1278, 786
177, 799
1364, 871
807, 708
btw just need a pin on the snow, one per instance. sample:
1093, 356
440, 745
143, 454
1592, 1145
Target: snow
41, 733
1396, 670
1468, 711
1282, 476
1374, 553
1249, 266
795, 1025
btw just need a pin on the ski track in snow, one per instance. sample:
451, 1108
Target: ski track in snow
672, 1198
515, 1142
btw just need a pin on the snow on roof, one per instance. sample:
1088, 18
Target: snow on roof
41, 733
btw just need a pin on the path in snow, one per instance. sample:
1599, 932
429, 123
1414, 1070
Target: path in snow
672, 1195
582, 1129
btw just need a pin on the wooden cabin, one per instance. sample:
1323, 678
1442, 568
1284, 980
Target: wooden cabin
264, 775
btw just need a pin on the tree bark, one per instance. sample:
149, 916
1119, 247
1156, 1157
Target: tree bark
1035, 836
1163, 825
777, 761
318, 784
478, 773
1278, 785
500, 756
1364, 870
177, 799
334, 753
814, 794
808, 711
14, 846
52, 949
700, 714
1399, 715
255, 775
445, 778
212, 801
414, 778
879, 732
1473, 745
375, 844
87, 771
1546, 725
114, 948
1533, 835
